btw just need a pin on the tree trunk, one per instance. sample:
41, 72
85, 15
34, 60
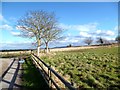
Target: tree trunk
38, 48
47, 48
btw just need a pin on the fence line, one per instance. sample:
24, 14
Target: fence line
48, 73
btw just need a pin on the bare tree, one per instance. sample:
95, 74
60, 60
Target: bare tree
100, 40
107, 42
51, 33
34, 25
88, 40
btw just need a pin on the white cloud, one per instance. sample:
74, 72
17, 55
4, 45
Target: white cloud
86, 30
2, 19
109, 38
15, 33
63, 40
104, 33
25, 41
85, 34
6, 42
13, 45
4, 24
68, 40
98, 31
5, 27
84, 27
110, 33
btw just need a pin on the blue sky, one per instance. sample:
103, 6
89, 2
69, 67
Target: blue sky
79, 19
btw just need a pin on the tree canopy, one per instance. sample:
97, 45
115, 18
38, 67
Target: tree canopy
41, 25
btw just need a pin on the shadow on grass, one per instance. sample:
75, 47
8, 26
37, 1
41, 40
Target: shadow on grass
32, 78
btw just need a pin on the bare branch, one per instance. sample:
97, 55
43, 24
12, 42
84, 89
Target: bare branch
39, 24
88, 40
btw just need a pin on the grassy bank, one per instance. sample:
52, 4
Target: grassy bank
90, 68
31, 77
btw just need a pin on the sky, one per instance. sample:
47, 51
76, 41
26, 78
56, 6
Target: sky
79, 20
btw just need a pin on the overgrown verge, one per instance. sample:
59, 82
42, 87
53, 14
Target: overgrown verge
31, 77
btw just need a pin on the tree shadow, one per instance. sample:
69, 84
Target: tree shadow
12, 84
31, 76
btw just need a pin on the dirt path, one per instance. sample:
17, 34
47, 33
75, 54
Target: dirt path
10, 73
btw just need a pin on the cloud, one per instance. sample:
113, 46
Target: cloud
83, 27
70, 40
67, 40
15, 33
88, 30
104, 33
6, 27
4, 24
85, 34
97, 33
2, 19
85, 31
109, 38
110, 33
11, 45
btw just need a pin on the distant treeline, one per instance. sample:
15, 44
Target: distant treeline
70, 45
57, 47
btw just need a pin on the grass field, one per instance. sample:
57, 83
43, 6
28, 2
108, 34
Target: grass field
90, 68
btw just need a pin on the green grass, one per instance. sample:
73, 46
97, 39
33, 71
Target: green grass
32, 78
91, 68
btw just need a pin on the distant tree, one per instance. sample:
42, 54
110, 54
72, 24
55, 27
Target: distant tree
88, 40
36, 24
70, 45
100, 40
107, 42
117, 39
